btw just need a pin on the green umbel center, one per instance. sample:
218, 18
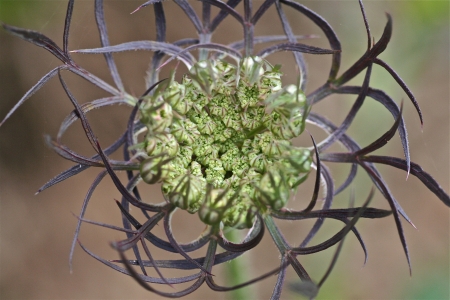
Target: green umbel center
219, 141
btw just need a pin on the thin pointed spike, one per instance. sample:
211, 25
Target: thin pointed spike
86, 126
182, 264
94, 80
104, 225
160, 24
336, 135
70, 155
298, 56
96, 145
369, 56
88, 196
349, 180
30, 92
239, 45
390, 105
215, 287
336, 238
146, 4
192, 246
128, 216
295, 48
151, 88
395, 210
317, 182
137, 254
261, 10
329, 190
38, 39
382, 186
191, 14
168, 230
333, 40
147, 251
79, 168
298, 268
353, 147
100, 19
246, 245
67, 27
352, 223
223, 13
177, 280
130, 242
416, 170
86, 107
126, 152
366, 24
169, 49
226, 8
213, 46
403, 85
122, 189
381, 45
146, 286
384, 139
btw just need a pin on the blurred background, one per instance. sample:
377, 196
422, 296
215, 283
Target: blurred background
36, 231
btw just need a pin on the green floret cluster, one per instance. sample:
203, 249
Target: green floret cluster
219, 141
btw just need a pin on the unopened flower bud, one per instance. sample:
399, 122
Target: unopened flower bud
273, 189
161, 143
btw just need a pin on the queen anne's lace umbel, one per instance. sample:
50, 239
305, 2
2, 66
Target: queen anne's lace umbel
219, 143
230, 127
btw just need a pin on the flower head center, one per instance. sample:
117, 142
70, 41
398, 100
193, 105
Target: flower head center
219, 141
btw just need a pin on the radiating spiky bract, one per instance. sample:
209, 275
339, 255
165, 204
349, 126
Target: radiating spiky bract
219, 142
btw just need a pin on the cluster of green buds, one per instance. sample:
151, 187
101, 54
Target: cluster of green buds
220, 141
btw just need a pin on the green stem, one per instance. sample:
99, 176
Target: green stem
237, 272
277, 237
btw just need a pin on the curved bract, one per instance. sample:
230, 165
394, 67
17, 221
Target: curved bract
219, 142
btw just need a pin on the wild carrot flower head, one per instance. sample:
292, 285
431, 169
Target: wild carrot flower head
218, 141
227, 126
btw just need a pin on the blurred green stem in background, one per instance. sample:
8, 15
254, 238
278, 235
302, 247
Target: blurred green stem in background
237, 272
